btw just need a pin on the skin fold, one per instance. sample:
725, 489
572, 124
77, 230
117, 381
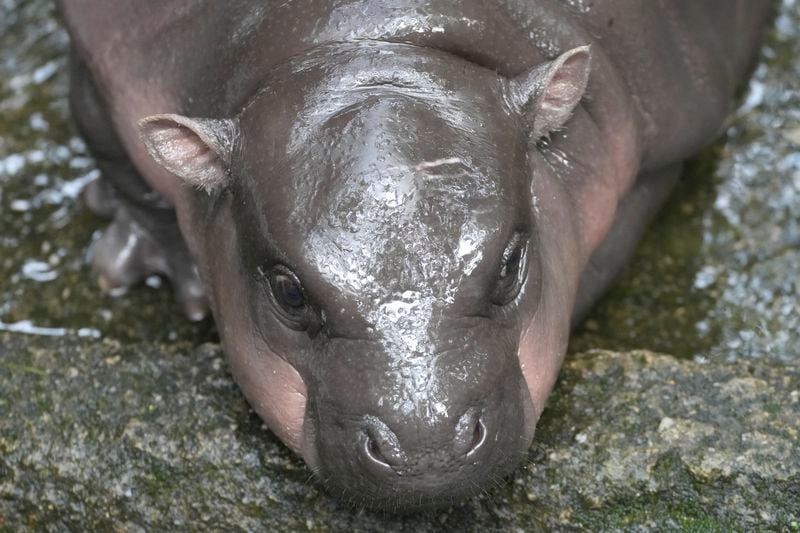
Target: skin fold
394, 210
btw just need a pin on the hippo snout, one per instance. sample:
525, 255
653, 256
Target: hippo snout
388, 453
422, 458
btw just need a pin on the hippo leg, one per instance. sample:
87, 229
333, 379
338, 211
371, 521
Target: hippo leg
143, 237
633, 216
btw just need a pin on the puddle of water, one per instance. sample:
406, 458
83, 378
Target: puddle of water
716, 277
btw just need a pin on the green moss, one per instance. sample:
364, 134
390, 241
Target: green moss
654, 301
657, 510
44, 403
158, 481
28, 369
667, 467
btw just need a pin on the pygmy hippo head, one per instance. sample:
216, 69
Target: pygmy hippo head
375, 256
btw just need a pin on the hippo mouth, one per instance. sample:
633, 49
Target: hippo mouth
368, 464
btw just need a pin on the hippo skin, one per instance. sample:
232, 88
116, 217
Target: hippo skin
395, 210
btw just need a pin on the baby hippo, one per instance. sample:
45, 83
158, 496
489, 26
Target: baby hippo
394, 209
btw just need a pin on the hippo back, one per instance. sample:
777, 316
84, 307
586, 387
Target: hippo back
679, 59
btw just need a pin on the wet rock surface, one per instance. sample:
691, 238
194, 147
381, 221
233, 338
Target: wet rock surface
104, 435
46, 287
117, 414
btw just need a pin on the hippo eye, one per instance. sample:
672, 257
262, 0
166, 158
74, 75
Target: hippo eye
512, 271
289, 297
288, 292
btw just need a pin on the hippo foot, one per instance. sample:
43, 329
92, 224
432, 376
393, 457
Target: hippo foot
101, 198
129, 251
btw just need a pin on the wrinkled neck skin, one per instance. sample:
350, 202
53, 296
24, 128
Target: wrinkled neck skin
577, 178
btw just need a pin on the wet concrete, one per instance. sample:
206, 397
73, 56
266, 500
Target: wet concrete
111, 416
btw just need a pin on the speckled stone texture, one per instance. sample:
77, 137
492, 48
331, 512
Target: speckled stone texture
140, 437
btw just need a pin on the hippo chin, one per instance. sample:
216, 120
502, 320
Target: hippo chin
394, 210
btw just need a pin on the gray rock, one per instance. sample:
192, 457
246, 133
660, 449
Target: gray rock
98, 435
639, 441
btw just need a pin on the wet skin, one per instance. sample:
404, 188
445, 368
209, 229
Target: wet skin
395, 223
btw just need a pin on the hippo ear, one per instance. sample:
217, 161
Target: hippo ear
197, 150
549, 93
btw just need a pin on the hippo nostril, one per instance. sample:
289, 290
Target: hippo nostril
381, 445
478, 436
470, 433
373, 450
